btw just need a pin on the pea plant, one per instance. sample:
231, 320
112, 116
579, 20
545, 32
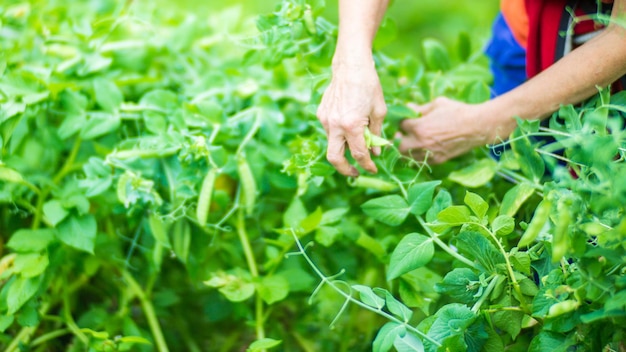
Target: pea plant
163, 186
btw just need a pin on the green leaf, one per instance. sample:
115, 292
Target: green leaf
99, 124
475, 175
394, 306
21, 290
368, 297
387, 336
28, 316
31, 240
454, 215
530, 161
420, 196
326, 235
515, 197
408, 343
413, 251
391, 210
134, 339
476, 203
462, 284
5, 322
108, 96
10, 175
477, 247
333, 216
508, 321
549, 341
263, 344
273, 288
503, 225
452, 320
436, 55
54, 212
78, 232
442, 200
30, 264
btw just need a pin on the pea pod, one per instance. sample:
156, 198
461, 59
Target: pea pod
372, 140
309, 21
542, 213
372, 183
248, 184
204, 199
561, 308
560, 238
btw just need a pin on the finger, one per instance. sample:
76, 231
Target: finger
422, 109
376, 127
358, 149
336, 155
321, 116
409, 126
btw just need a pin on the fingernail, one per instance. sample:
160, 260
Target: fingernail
376, 151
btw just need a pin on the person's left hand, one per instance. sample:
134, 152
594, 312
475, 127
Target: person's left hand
448, 128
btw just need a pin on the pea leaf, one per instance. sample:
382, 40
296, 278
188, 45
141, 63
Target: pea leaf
477, 174
477, 204
78, 232
394, 306
413, 251
54, 211
476, 246
391, 210
421, 196
21, 290
108, 96
454, 215
386, 336
273, 288
31, 240
263, 344
369, 297
503, 225
515, 197
442, 200
408, 343
462, 284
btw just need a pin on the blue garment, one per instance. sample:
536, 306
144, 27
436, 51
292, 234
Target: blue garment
507, 58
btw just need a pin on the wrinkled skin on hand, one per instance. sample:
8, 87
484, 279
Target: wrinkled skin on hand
447, 129
353, 101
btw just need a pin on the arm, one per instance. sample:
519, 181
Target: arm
354, 98
599, 62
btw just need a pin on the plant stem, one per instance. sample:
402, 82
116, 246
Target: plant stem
444, 246
148, 309
69, 320
49, 336
486, 294
254, 271
348, 297
26, 332
509, 267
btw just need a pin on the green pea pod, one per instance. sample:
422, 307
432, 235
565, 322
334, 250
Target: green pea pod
372, 183
542, 213
309, 21
248, 184
372, 140
560, 238
562, 308
204, 199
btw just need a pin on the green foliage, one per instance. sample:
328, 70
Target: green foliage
158, 167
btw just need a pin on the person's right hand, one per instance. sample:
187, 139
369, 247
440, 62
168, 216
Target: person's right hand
353, 101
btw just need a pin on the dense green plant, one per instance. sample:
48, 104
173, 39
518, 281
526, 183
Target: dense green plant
162, 180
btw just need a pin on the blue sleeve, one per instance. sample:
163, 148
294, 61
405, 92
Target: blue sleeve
507, 58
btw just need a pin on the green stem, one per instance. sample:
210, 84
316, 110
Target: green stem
509, 267
486, 294
24, 335
148, 310
348, 297
435, 237
69, 320
49, 336
254, 271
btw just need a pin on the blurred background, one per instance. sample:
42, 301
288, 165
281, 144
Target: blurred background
415, 20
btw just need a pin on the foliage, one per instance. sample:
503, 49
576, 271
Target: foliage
157, 171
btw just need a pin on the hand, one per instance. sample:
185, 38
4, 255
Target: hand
353, 100
449, 128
